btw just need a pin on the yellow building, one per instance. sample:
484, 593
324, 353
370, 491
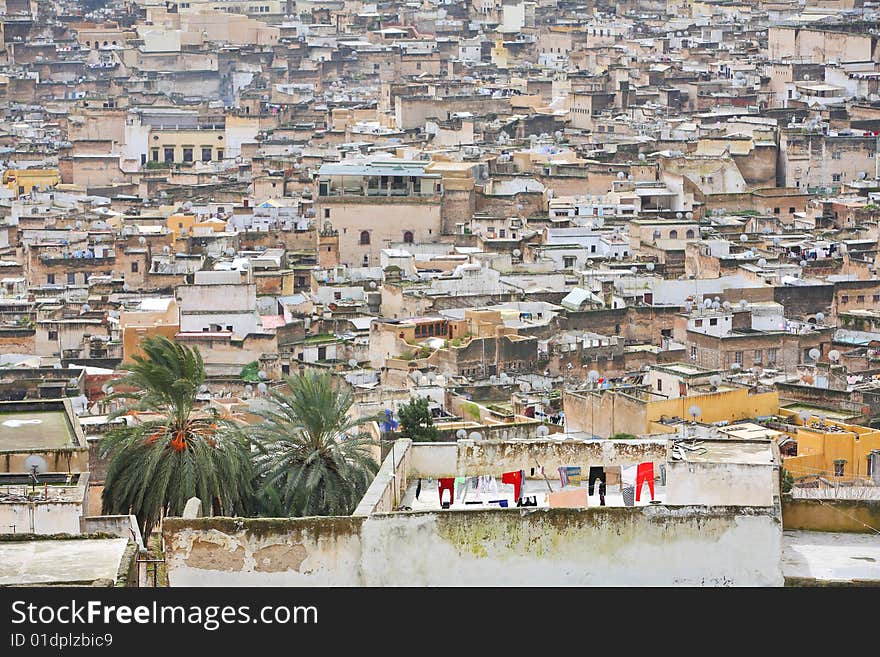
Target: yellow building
189, 224
155, 316
499, 54
830, 448
22, 181
674, 391
170, 145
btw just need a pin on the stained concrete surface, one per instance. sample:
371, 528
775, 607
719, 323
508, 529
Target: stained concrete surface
32, 430
829, 557
62, 561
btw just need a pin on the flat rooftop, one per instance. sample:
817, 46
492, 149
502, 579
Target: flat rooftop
75, 561
744, 453
831, 558
35, 429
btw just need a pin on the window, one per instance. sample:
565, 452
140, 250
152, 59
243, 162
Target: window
326, 213
71, 278
659, 385
838, 467
835, 155
134, 268
229, 327
876, 298
689, 235
860, 298
713, 321
673, 234
219, 153
50, 279
758, 356
169, 154
154, 154
568, 262
775, 210
188, 154
835, 177
791, 210
206, 153
337, 296
771, 356
738, 357
53, 335
407, 237
365, 237
693, 353
698, 322
870, 469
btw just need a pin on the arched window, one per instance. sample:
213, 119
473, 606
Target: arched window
408, 237
689, 235
365, 237
673, 234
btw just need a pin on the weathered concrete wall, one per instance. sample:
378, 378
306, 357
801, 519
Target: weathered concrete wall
263, 551
434, 459
390, 482
476, 458
831, 515
720, 483
659, 545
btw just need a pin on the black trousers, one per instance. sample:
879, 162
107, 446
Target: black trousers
596, 472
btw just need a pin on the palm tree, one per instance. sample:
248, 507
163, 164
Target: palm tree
313, 461
174, 452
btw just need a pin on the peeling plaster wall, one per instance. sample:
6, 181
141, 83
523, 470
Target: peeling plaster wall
659, 545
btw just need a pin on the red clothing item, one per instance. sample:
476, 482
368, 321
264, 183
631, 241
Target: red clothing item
645, 473
515, 478
446, 483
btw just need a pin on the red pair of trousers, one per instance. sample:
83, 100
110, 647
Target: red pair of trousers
514, 478
645, 473
446, 483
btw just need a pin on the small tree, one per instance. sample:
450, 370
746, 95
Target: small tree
416, 421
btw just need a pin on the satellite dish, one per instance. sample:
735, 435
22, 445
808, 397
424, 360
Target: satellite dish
461, 434
688, 305
679, 215
525, 386
762, 262
743, 238
372, 285
805, 416
441, 380
815, 353
820, 317
352, 362
650, 266
726, 305
493, 379
593, 376
743, 303
715, 380
803, 263
36, 465
230, 252
475, 435
735, 366
248, 388
262, 375
689, 215
142, 240
86, 307
834, 355
543, 431
715, 305
517, 253
707, 303
262, 388
695, 411
166, 249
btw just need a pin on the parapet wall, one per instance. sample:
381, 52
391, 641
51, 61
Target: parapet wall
623, 546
